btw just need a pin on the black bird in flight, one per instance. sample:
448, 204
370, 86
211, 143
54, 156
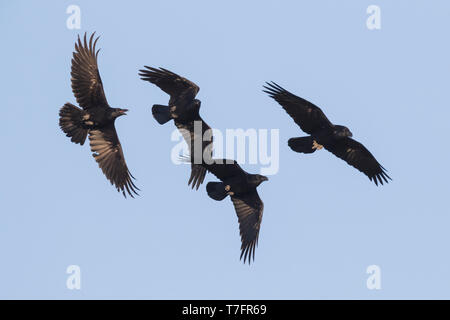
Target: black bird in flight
184, 109
96, 118
335, 138
241, 187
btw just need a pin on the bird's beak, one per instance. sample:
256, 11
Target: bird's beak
265, 179
123, 112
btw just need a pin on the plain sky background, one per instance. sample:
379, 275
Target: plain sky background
324, 222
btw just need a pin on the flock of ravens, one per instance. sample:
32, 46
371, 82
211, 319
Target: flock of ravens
95, 119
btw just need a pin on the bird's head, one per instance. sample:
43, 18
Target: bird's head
117, 112
342, 132
258, 179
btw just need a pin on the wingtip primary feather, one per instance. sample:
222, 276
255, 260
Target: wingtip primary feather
248, 252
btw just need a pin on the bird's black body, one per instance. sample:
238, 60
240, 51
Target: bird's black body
242, 183
322, 133
101, 117
241, 187
184, 110
329, 135
96, 118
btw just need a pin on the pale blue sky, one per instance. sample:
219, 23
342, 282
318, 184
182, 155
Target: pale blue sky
324, 222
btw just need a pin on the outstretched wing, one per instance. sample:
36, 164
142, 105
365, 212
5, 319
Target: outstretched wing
108, 153
225, 168
249, 209
86, 82
356, 155
171, 83
308, 116
193, 133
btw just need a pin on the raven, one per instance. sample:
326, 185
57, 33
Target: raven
241, 187
184, 109
96, 118
335, 138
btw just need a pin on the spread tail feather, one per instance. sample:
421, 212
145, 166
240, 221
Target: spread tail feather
216, 190
302, 144
71, 123
161, 113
